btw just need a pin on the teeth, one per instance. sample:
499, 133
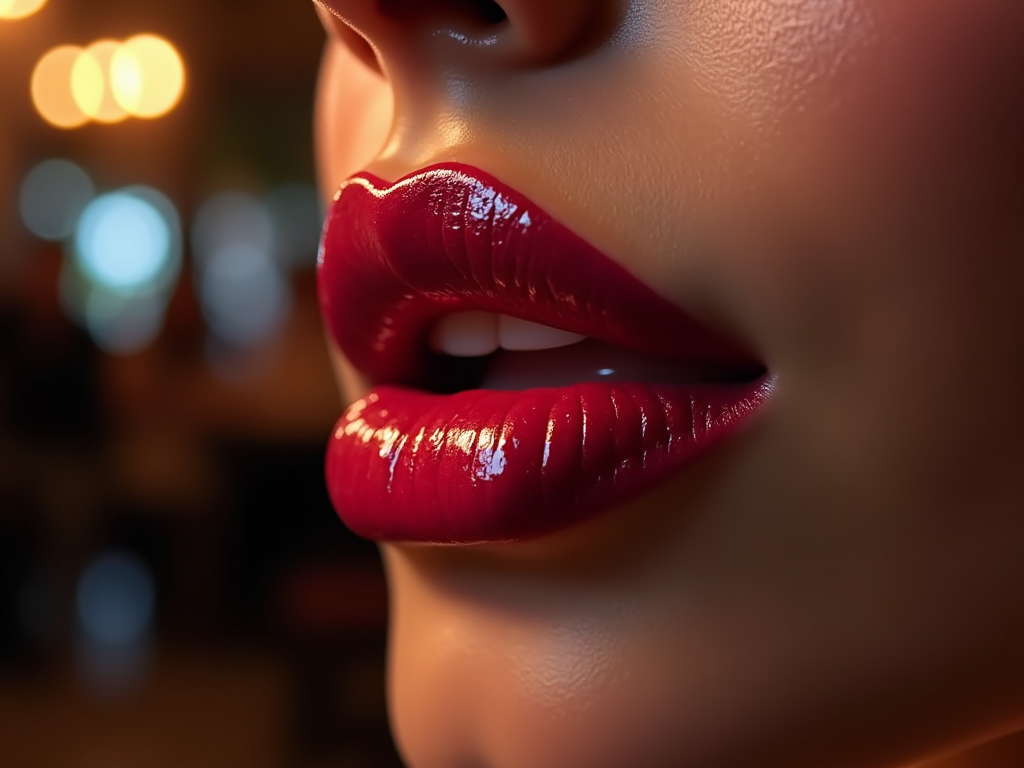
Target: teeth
465, 334
522, 335
475, 334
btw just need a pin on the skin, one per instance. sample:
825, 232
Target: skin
836, 183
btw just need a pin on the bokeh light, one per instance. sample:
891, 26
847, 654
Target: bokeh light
115, 603
229, 218
115, 599
122, 241
244, 295
122, 324
147, 76
166, 209
297, 218
90, 85
52, 196
243, 292
51, 87
19, 9
109, 80
124, 261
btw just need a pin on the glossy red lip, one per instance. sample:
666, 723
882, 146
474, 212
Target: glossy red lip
491, 465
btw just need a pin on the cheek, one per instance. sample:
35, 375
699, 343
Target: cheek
877, 253
760, 60
354, 112
883, 176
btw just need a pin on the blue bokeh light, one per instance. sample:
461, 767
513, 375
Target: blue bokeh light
122, 267
123, 242
243, 289
245, 297
115, 599
297, 217
122, 324
228, 219
52, 196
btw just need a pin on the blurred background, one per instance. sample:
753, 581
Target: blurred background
174, 586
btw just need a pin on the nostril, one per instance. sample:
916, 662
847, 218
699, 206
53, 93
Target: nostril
488, 11
475, 12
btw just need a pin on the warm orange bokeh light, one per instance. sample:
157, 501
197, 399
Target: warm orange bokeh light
90, 83
107, 81
147, 76
19, 9
51, 87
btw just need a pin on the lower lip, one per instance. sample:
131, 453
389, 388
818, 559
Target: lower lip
489, 466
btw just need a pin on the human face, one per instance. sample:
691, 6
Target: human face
833, 184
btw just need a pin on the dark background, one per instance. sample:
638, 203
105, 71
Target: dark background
199, 462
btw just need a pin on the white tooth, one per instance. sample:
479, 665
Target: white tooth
465, 334
523, 335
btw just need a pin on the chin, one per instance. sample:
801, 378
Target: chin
684, 630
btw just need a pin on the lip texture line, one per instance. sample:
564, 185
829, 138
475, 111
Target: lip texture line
494, 465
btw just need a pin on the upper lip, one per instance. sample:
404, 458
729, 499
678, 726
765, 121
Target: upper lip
451, 238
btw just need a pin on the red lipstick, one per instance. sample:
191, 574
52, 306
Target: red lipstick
489, 465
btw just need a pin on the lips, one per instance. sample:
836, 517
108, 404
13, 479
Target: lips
409, 462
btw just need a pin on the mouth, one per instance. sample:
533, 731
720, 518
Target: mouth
522, 381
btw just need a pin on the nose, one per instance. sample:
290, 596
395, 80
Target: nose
459, 37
